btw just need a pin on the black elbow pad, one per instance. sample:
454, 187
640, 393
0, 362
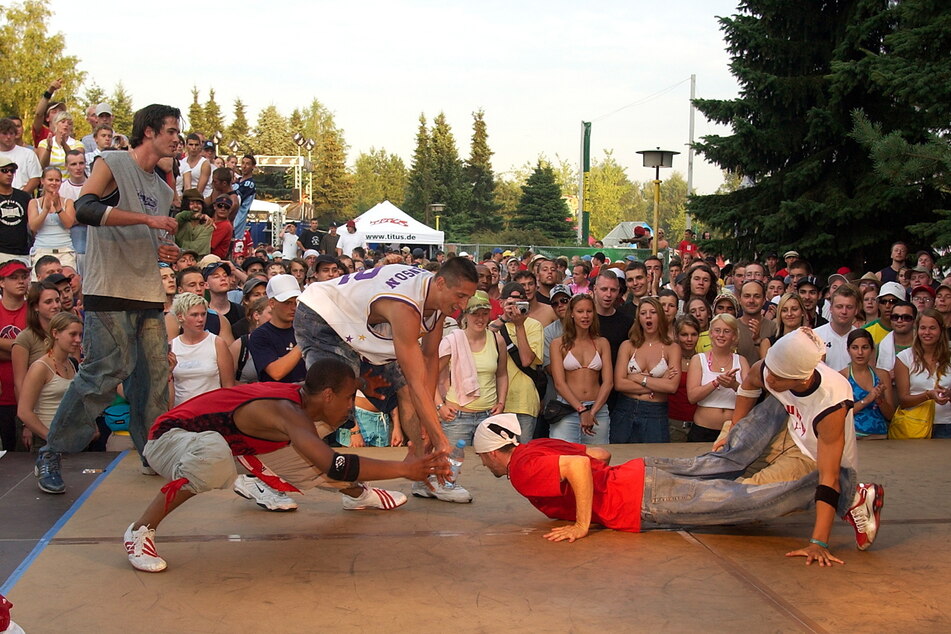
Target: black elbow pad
90, 210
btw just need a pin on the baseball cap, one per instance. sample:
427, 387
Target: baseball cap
772, 254
11, 267
894, 289
559, 289
248, 262
209, 145
407, 251
927, 289
808, 280
283, 287
251, 284
586, 258
921, 269
58, 278
351, 223
496, 432
224, 200
536, 258
462, 254
418, 253
496, 250
790, 254
334, 225
103, 108
837, 276
6, 161
508, 253
639, 230
478, 301
512, 287
214, 266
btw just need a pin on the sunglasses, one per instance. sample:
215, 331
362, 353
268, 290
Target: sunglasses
888, 302
222, 207
902, 318
561, 301
8, 170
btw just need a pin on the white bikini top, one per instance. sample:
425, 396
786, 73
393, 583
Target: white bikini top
571, 363
658, 371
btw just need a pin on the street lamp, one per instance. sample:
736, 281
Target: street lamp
310, 144
434, 209
217, 139
657, 159
233, 146
299, 140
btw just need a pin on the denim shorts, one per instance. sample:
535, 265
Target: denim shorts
317, 339
569, 427
463, 426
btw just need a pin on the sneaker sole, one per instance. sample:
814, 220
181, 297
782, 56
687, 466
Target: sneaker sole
265, 506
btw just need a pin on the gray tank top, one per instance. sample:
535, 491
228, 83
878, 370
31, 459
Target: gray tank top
121, 261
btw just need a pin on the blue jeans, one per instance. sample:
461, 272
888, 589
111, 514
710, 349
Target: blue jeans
127, 347
638, 421
701, 491
374, 427
463, 426
941, 431
569, 427
527, 423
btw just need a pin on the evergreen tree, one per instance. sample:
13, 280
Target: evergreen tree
449, 182
542, 207
239, 129
93, 95
483, 212
421, 186
378, 176
803, 68
333, 184
196, 115
271, 135
213, 119
122, 110
31, 58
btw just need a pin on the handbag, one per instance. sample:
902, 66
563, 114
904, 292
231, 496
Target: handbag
555, 410
913, 422
538, 377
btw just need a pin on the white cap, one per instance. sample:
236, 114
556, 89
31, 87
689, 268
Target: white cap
892, 288
495, 432
283, 287
311, 252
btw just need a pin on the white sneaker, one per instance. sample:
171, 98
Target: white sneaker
456, 493
263, 495
147, 470
140, 546
373, 499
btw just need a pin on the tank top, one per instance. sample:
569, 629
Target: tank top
196, 368
486, 363
870, 420
345, 304
120, 261
804, 410
722, 396
52, 235
50, 396
196, 174
214, 411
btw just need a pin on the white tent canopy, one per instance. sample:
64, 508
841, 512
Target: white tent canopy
388, 223
264, 206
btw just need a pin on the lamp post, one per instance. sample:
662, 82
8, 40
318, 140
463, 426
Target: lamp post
217, 139
310, 145
233, 146
299, 140
657, 159
434, 209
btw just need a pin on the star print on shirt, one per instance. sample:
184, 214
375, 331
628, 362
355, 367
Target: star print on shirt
362, 338
349, 338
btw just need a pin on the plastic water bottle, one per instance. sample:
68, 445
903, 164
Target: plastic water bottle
456, 457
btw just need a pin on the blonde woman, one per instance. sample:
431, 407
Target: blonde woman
923, 371
50, 217
790, 314
713, 378
202, 360
48, 378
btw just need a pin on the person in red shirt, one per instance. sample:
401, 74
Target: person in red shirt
221, 235
14, 281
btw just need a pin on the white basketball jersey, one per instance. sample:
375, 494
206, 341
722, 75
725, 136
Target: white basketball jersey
832, 390
345, 303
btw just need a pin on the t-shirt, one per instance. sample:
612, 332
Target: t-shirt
347, 242
14, 231
28, 165
523, 397
615, 329
12, 322
34, 345
221, 239
878, 330
328, 244
58, 152
310, 239
618, 490
887, 350
921, 381
267, 344
745, 346
289, 247
837, 349
246, 190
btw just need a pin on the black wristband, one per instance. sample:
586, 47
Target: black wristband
48, 95
828, 495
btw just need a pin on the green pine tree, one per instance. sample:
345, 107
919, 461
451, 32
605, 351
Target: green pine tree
803, 68
542, 207
378, 176
421, 186
449, 182
333, 184
122, 110
239, 129
196, 115
271, 135
214, 120
483, 212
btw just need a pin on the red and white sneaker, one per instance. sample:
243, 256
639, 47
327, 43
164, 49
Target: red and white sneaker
865, 512
373, 499
140, 546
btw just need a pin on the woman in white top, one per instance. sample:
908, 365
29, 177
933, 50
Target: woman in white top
923, 371
202, 360
48, 377
583, 374
50, 218
646, 371
458, 412
713, 378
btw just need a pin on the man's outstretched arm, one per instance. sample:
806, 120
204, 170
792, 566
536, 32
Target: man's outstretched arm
576, 471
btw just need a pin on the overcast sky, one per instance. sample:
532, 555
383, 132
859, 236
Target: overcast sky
537, 68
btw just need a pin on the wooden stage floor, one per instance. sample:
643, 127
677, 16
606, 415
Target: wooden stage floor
482, 567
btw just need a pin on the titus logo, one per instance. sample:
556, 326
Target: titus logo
394, 221
798, 425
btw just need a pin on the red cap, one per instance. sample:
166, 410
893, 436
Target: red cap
12, 266
927, 289
844, 270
